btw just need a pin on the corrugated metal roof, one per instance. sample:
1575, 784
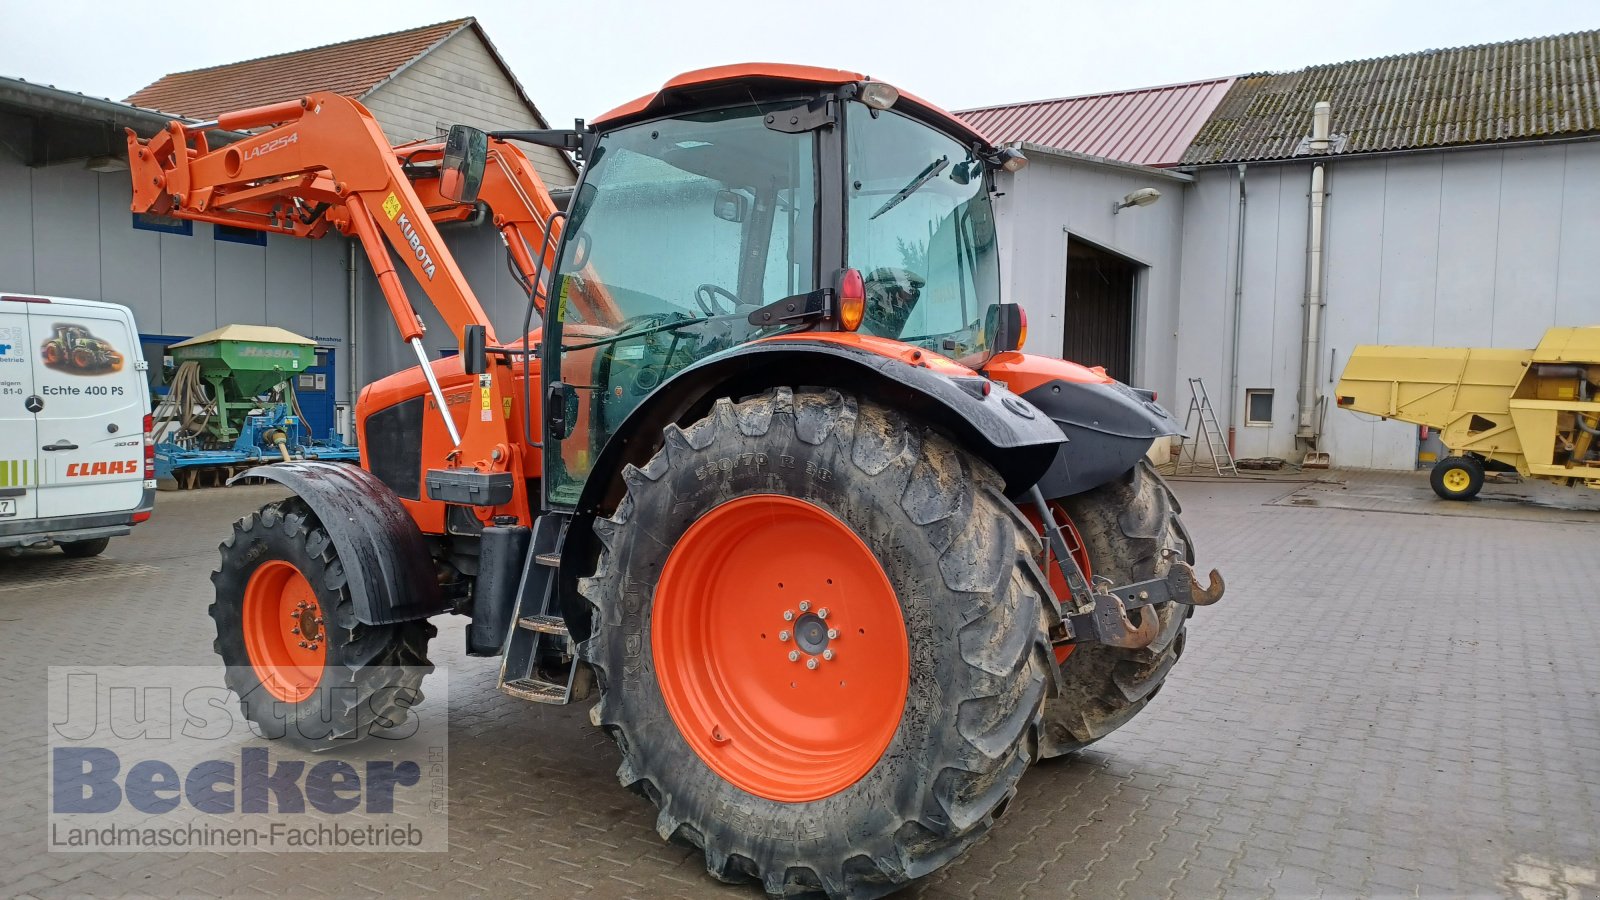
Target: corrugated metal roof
351, 68
1148, 126
1516, 90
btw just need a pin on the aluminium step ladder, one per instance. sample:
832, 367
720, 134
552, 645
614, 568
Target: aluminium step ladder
1206, 429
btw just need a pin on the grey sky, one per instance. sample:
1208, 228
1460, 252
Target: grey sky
582, 57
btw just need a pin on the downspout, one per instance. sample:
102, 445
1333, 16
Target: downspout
1311, 346
353, 298
1238, 308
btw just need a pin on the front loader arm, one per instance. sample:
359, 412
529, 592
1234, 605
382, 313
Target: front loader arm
324, 161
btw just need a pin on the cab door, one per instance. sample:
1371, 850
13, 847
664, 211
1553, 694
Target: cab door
19, 447
90, 428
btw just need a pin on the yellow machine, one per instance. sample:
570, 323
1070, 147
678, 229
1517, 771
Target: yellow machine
1534, 411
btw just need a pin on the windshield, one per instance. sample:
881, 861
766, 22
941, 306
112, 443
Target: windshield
921, 232
680, 229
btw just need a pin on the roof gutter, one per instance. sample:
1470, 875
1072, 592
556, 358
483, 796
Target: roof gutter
1384, 154
1106, 162
46, 99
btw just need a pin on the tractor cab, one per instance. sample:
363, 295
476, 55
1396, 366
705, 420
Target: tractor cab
711, 217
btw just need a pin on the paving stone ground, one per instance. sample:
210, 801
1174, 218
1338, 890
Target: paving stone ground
1385, 704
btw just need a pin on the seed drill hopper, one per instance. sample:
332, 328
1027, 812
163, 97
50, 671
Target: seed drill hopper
232, 403
1536, 412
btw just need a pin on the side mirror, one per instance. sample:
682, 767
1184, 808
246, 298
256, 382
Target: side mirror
729, 206
1007, 326
466, 152
474, 350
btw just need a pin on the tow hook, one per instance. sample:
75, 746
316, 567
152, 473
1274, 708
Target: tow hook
1109, 624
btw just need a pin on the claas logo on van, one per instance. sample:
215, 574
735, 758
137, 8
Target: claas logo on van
117, 467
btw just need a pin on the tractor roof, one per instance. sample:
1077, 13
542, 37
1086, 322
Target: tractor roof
708, 87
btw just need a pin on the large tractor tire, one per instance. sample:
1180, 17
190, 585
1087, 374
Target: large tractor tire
820, 643
1128, 530
305, 670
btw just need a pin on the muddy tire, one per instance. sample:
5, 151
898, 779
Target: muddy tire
280, 590
1131, 530
965, 599
85, 549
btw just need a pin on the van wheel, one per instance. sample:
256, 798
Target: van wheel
85, 549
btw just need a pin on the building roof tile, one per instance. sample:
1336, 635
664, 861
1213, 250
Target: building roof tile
1516, 90
352, 68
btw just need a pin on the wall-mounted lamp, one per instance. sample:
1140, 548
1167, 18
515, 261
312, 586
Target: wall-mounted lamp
1141, 197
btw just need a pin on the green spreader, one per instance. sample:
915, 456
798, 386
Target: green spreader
240, 362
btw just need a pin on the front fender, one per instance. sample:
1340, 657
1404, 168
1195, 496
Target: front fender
1108, 425
1009, 432
386, 561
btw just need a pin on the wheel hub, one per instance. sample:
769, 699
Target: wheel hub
284, 632
789, 699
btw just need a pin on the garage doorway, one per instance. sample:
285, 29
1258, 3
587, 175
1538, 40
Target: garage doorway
1102, 294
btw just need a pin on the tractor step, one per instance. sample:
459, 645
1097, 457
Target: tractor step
540, 646
537, 690
546, 624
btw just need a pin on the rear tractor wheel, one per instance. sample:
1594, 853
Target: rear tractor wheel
820, 643
1127, 530
303, 667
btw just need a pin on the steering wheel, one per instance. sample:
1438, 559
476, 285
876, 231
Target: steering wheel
706, 295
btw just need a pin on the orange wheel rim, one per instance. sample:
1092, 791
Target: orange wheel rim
283, 631
1075, 546
780, 648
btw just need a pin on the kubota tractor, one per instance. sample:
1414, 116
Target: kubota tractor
772, 481
72, 346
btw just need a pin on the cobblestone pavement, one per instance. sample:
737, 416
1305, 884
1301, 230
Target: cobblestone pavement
1384, 705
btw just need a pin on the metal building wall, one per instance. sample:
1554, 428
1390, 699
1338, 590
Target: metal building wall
1055, 196
1482, 247
67, 231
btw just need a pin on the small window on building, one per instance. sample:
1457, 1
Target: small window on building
235, 235
1258, 406
163, 224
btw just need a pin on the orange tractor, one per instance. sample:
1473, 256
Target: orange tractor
771, 481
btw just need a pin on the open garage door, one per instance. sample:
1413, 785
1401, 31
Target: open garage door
1097, 325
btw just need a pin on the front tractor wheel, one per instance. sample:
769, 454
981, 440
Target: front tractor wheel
303, 667
820, 643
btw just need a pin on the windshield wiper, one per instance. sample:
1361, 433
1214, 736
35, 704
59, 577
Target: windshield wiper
923, 177
640, 332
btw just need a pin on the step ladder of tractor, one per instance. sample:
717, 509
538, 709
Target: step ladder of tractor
539, 626
1201, 426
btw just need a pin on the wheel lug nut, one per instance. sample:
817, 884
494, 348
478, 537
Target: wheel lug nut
317, 620
805, 605
294, 631
303, 644
794, 656
811, 663
788, 615
833, 633
822, 613
783, 635
827, 654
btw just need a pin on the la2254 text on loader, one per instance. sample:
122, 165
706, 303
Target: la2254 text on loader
771, 481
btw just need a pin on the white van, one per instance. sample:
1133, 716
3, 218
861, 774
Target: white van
76, 464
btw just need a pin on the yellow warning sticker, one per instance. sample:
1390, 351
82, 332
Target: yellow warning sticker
488, 409
391, 206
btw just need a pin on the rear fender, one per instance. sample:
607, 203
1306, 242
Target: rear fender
386, 560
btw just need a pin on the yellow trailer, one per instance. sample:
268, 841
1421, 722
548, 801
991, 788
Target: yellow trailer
1535, 411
